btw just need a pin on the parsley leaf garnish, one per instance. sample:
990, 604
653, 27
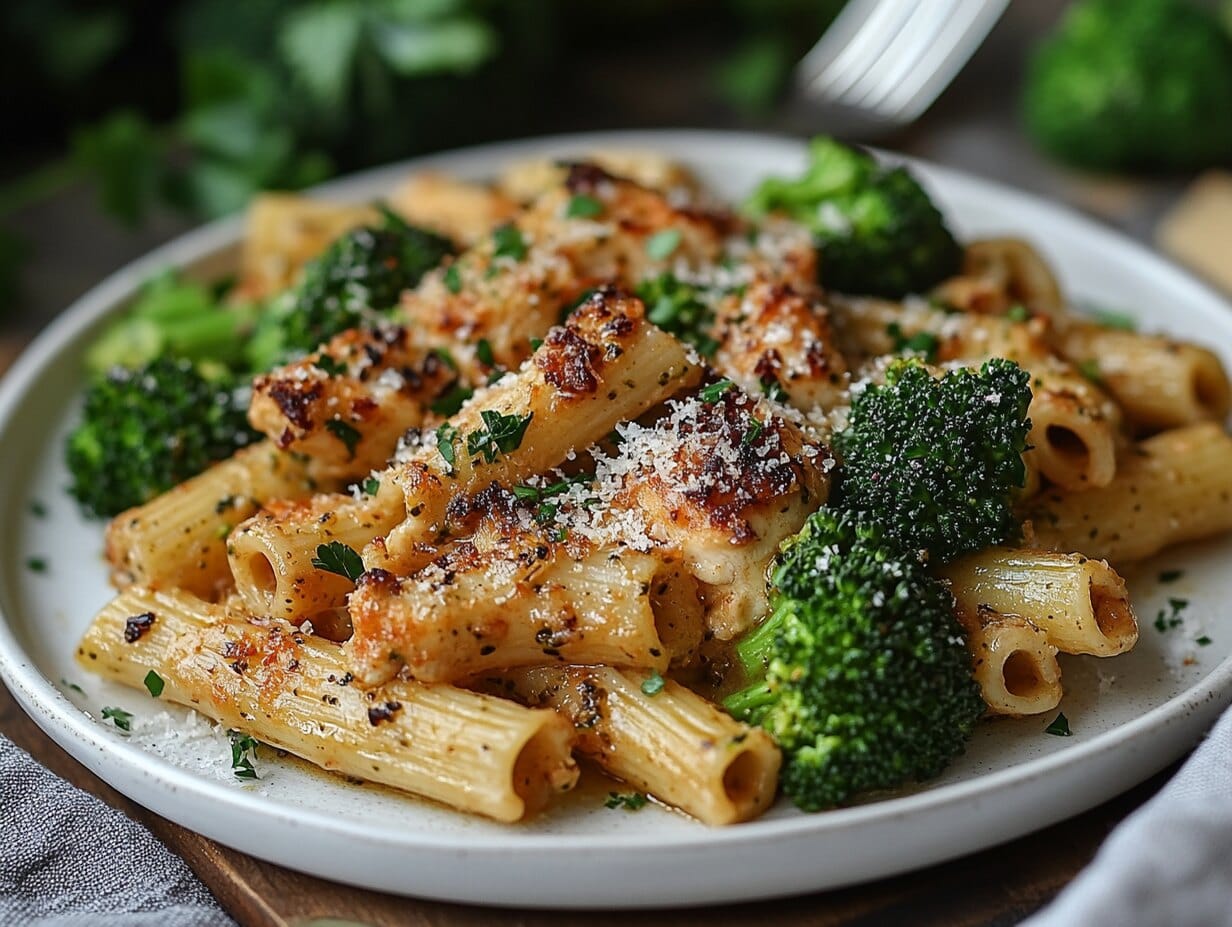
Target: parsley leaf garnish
119, 717
773, 390
500, 434
36, 564
444, 444
1090, 369
677, 308
630, 801
1121, 321
453, 279
446, 358
483, 351
1170, 618
371, 486
582, 206
1059, 726
753, 432
660, 245
714, 392
450, 401
653, 684
154, 683
1170, 576
37, 509
347, 434
1018, 313
509, 243
1203, 641
336, 557
243, 752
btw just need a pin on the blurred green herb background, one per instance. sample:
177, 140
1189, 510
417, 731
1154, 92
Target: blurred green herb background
198, 104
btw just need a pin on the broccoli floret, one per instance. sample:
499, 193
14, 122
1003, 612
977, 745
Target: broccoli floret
144, 430
861, 672
357, 280
937, 462
877, 230
1133, 84
176, 317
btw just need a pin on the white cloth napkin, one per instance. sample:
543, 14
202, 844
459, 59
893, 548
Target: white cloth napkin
69, 860
1169, 864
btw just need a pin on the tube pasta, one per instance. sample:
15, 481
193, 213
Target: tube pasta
466, 212
606, 366
180, 538
999, 273
1171, 488
470, 614
1160, 383
1013, 664
474, 752
673, 744
1081, 605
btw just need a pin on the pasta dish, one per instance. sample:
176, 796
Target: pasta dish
582, 472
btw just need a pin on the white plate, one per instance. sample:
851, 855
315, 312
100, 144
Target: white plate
1013, 779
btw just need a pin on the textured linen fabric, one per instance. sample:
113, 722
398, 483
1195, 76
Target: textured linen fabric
69, 860
1169, 864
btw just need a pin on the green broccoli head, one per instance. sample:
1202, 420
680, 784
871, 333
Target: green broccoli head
357, 280
938, 462
144, 430
877, 230
1133, 83
861, 672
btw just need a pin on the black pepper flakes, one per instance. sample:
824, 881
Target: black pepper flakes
136, 626
383, 712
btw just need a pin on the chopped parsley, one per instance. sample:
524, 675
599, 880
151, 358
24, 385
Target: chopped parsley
331, 367
714, 392
500, 434
528, 493
582, 206
1170, 576
336, 557
349, 435
653, 684
1089, 368
1203, 641
453, 279
119, 717
371, 486
536, 344
444, 444
443, 355
752, 433
37, 509
509, 243
36, 564
1170, 618
72, 685
154, 683
630, 801
243, 752
1018, 313
773, 390
483, 351
1059, 726
450, 401
924, 344
1121, 321
677, 308
660, 245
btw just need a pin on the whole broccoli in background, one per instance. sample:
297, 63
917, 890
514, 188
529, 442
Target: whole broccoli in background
861, 673
877, 230
1133, 84
145, 430
358, 279
937, 462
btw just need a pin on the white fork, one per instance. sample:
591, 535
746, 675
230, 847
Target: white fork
888, 60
